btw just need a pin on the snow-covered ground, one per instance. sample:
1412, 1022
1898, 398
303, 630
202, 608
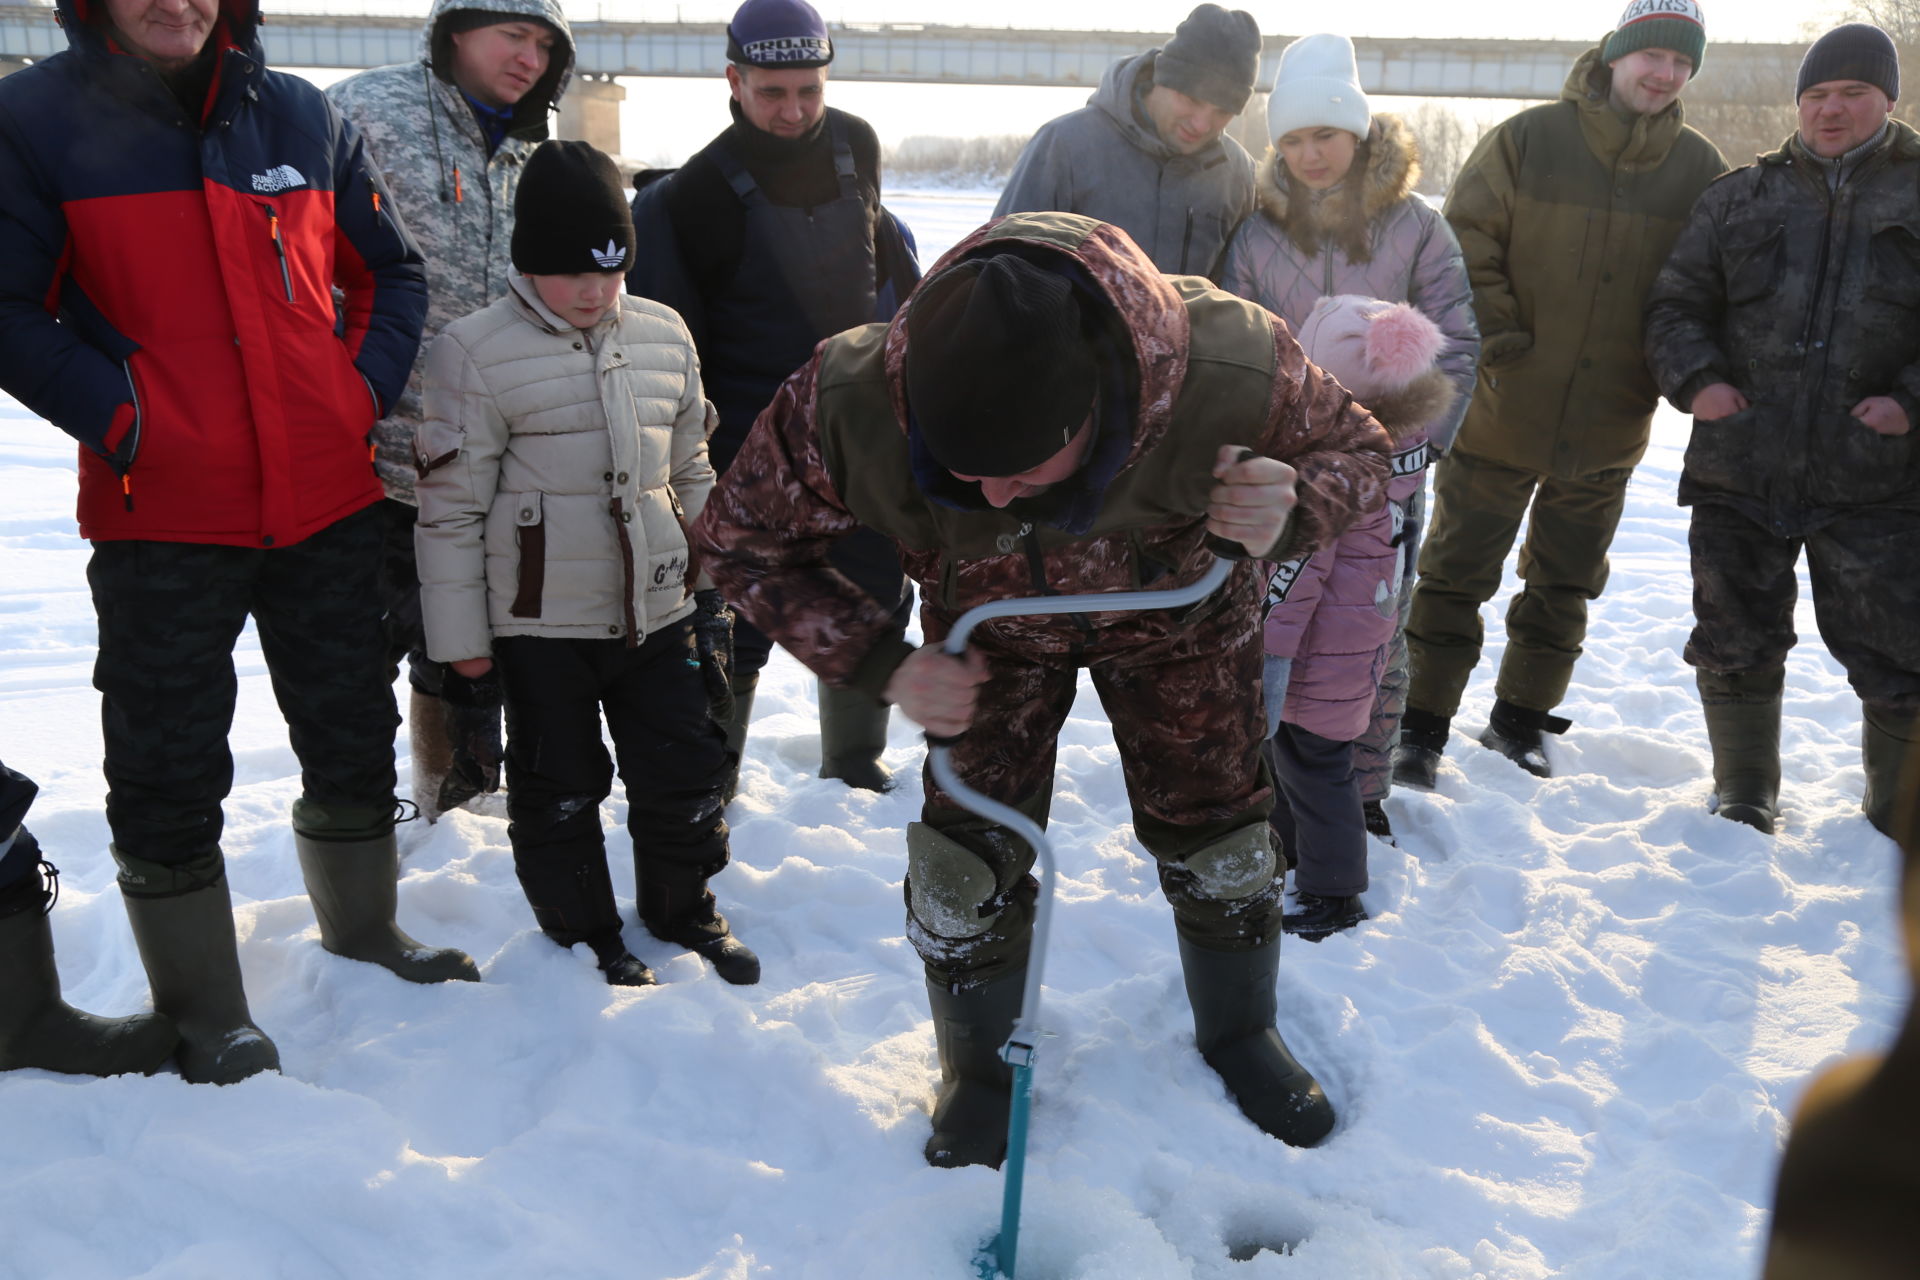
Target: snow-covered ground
1566, 1044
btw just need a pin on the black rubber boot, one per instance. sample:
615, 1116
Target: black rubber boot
1885, 740
40, 1030
355, 887
1516, 733
1742, 711
853, 734
1374, 814
976, 1086
743, 690
1316, 916
1416, 757
1234, 1010
676, 907
182, 918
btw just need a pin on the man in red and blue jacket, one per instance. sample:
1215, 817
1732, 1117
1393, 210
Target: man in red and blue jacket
174, 221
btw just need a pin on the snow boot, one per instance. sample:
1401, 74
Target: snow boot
432, 749
743, 690
1742, 711
1320, 916
970, 1028
182, 919
352, 870
1234, 1014
676, 907
1374, 814
1886, 739
1416, 757
853, 734
40, 1030
1515, 732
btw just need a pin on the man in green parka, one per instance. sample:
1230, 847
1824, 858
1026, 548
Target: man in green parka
1565, 213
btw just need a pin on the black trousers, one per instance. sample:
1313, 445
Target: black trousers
670, 754
1317, 815
169, 615
1866, 598
406, 634
16, 794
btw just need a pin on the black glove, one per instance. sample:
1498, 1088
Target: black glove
713, 641
473, 729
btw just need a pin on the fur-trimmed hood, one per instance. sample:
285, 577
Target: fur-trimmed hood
1389, 169
1408, 413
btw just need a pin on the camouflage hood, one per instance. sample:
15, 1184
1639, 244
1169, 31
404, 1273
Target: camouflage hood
1107, 268
530, 113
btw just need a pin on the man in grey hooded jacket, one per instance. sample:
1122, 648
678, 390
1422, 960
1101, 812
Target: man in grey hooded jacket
1149, 151
451, 133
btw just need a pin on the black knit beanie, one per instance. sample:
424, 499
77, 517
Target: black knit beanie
1857, 51
1000, 374
1214, 56
570, 214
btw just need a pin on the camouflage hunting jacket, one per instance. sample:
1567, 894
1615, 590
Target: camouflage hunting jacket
1806, 297
455, 197
836, 450
1565, 213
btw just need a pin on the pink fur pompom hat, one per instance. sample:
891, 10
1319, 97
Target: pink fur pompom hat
1373, 348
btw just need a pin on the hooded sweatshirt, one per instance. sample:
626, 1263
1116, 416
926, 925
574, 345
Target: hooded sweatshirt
1107, 161
454, 189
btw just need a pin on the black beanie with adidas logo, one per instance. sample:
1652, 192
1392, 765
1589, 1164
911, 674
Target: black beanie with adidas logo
570, 214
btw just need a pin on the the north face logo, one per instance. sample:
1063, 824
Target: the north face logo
610, 257
280, 178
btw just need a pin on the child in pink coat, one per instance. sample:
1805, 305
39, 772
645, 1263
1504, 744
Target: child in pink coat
1331, 616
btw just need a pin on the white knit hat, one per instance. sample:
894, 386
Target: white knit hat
1318, 83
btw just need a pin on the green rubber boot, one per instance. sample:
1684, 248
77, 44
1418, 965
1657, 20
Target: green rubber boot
352, 870
743, 691
37, 1028
1234, 1013
853, 735
1742, 711
976, 1084
1885, 740
182, 919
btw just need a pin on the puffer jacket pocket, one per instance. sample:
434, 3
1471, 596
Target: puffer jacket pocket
435, 444
531, 527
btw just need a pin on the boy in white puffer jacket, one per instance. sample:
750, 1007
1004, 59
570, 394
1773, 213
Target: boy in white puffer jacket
564, 451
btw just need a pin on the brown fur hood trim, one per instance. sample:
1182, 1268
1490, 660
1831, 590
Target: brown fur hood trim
1415, 407
1391, 160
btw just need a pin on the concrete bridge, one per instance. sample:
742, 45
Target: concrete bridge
932, 54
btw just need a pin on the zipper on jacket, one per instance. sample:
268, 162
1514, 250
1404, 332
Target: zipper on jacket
279, 249
620, 522
1186, 243
1820, 273
126, 473
1037, 565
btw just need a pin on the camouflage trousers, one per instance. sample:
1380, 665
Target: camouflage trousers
1866, 598
1179, 691
1477, 509
170, 613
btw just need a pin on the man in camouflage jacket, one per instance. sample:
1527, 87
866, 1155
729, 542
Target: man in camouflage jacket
1785, 323
450, 134
1050, 414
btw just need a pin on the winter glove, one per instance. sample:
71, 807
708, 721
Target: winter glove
473, 727
713, 641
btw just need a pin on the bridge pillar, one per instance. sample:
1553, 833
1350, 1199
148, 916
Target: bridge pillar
590, 112
10, 65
